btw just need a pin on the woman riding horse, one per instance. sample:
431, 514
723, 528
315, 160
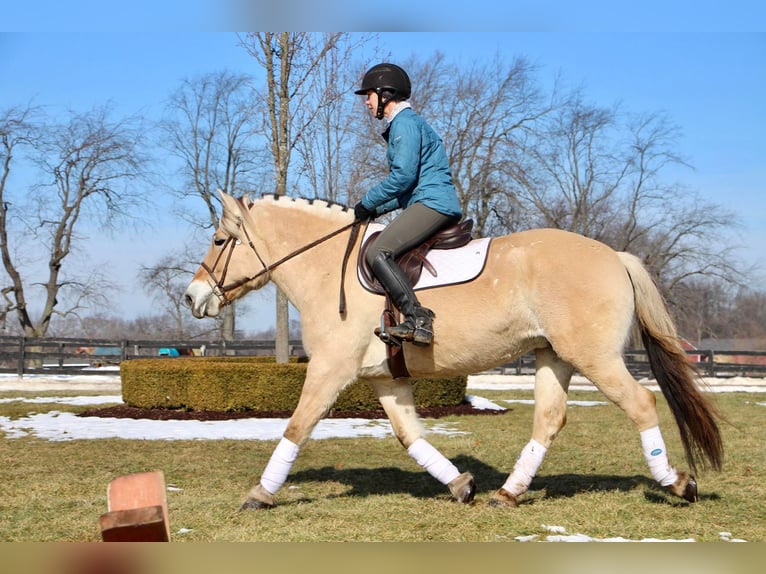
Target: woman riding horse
419, 181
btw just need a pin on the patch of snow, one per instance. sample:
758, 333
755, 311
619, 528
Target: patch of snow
77, 401
560, 535
58, 426
482, 403
580, 383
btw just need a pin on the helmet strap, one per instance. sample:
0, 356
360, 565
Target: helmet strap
381, 103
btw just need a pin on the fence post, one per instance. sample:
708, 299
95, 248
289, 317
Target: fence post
711, 363
22, 350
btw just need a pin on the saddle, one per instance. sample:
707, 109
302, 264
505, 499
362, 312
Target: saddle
412, 262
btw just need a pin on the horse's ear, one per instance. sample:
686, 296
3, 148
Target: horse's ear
231, 218
226, 200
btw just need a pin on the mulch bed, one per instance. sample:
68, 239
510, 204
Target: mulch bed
127, 412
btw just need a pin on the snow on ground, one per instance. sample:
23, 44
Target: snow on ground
559, 534
77, 401
107, 379
579, 383
60, 426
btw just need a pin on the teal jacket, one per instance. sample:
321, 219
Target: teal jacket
419, 169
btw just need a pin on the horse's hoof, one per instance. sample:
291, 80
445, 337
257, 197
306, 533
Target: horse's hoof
258, 499
503, 498
685, 487
255, 504
690, 492
463, 487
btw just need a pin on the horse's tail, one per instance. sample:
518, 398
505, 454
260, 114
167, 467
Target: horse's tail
674, 372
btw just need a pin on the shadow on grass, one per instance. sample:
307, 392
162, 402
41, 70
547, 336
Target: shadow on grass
392, 480
364, 482
569, 485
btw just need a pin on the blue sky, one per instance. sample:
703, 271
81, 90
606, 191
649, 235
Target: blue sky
712, 84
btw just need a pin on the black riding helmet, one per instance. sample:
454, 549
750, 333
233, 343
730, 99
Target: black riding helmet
389, 81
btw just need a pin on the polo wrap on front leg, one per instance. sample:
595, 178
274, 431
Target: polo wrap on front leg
433, 461
280, 463
526, 467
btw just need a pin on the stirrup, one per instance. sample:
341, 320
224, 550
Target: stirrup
417, 328
387, 338
383, 334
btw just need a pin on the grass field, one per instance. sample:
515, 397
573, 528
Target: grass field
593, 483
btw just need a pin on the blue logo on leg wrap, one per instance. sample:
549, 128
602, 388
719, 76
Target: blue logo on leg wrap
656, 452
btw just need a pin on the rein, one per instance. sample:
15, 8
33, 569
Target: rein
222, 289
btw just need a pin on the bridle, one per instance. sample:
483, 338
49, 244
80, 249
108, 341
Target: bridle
221, 289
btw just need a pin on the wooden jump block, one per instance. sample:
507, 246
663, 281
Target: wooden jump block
137, 509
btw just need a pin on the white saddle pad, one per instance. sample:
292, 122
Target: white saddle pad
452, 266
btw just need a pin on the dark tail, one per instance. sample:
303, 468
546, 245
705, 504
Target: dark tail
676, 375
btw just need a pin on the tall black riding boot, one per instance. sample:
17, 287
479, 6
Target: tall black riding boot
417, 325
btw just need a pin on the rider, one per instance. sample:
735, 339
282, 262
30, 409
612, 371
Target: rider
419, 182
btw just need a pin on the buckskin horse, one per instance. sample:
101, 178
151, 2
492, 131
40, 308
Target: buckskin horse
570, 299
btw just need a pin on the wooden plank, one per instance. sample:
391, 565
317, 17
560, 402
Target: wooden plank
146, 524
132, 503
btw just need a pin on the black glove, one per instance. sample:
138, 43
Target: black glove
361, 213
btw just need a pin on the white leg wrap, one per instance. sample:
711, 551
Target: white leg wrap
526, 467
433, 461
657, 457
279, 466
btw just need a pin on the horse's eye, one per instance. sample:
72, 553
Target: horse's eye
218, 241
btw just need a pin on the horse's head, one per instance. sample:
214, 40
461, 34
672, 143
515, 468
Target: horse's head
232, 266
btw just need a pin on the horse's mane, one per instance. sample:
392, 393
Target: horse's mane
315, 206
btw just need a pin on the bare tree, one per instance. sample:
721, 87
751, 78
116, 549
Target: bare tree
577, 171
210, 126
714, 309
291, 62
482, 112
328, 150
167, 282
608, 175
748, 318
87, 168
703, 302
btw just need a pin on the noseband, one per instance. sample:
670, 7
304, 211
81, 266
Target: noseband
221, 289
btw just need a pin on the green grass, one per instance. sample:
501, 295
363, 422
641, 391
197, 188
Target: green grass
594, 481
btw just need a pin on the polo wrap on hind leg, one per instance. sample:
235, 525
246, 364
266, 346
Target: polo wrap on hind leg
657, 456
433, 461
280, 463
526, 467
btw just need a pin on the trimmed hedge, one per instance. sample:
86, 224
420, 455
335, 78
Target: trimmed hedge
252, 384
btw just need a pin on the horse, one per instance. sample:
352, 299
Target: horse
570, 299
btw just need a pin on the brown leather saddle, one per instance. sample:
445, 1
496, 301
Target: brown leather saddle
413, 261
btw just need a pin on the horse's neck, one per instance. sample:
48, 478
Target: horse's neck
285, 230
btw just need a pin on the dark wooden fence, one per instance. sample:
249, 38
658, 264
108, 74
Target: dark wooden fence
23, 355
724, 364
